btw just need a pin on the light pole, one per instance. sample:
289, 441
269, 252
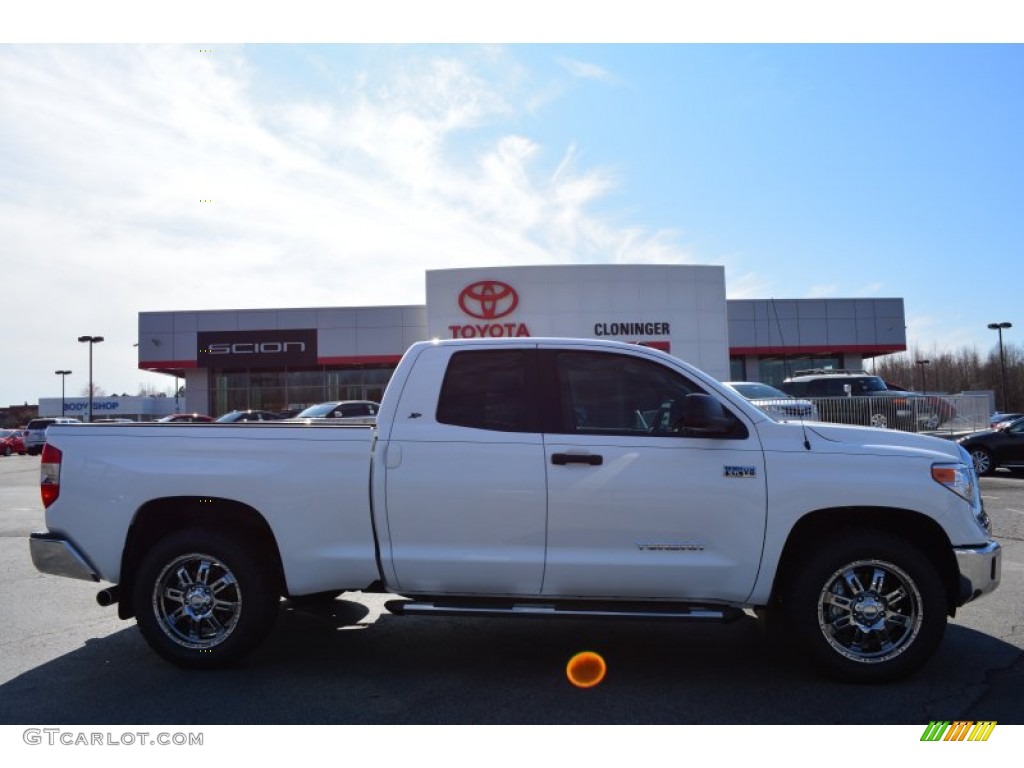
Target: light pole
63, 375
91, 340
924, 381
1002, 358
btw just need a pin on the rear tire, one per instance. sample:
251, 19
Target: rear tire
867, 608
202, 600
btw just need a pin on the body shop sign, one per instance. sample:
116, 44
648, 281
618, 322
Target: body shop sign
256, 349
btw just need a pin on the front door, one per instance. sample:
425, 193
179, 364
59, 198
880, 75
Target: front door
637, 506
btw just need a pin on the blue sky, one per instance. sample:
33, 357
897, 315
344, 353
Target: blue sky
339, 173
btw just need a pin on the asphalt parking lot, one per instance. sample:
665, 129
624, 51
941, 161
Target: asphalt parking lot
66, 660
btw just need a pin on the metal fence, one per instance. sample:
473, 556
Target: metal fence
945, 415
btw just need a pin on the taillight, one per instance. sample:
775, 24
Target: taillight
49, 475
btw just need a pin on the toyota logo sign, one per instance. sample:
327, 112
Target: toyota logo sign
488, 299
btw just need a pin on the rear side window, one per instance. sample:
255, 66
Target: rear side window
356, 409
489, 389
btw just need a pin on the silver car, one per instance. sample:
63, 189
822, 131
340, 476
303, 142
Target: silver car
341, 412
35, 433
775, 402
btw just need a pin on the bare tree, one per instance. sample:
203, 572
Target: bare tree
958, 370
97, 390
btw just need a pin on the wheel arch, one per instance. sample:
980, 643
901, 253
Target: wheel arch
915, 527
160, 517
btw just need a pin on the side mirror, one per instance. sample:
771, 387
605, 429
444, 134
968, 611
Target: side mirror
704, 413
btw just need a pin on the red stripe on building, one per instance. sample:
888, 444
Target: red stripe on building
360, 360
163, 364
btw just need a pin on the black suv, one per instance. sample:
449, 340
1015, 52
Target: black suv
857, 397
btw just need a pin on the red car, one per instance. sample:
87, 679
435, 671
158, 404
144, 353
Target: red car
12, 441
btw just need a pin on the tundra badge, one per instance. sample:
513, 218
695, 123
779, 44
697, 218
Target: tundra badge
740, 471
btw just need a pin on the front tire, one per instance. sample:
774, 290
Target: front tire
203, 600
868, 608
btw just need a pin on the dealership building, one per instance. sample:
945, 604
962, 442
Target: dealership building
283, 359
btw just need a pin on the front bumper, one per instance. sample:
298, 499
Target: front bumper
57, 556
980, 570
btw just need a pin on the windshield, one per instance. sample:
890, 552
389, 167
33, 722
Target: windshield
755, 391
317, 411
870, 384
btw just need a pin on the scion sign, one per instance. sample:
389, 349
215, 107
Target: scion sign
224, 349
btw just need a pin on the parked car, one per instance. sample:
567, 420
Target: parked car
857, 397
342, 411
999, 420
11, 441
236, 417
186, 418
35, 433
774, 402
939, 412
993, 448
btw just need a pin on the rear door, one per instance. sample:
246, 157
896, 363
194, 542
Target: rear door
465, 477
639, 507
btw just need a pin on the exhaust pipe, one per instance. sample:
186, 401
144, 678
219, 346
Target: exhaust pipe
108, 596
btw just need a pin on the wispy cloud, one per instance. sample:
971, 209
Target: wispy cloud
587, 71
153, 177
870, 289
748, 284
822, 290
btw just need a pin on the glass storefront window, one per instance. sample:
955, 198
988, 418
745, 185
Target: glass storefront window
289, 390
775, 370
737, 369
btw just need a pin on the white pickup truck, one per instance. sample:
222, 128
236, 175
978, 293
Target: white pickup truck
528, 477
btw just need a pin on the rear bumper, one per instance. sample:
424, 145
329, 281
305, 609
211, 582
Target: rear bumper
980, 570
56, 555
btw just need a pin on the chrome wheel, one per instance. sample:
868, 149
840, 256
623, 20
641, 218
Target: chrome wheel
866, 605
870, 611
982, 461
205, 600
197, 601
879, 420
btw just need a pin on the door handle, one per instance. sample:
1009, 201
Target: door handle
561, 459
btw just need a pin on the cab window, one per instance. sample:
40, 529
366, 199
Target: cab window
489, 389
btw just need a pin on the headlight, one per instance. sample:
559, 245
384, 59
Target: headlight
961, 479
957, 477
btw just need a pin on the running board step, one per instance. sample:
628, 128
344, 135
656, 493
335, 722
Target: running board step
571, 610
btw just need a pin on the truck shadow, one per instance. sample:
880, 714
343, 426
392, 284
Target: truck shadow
341, 665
